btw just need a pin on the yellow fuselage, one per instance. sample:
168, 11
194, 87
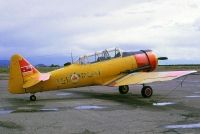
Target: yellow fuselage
78, 75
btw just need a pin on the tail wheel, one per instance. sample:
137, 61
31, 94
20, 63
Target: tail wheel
32, 98
147, 91
123, 89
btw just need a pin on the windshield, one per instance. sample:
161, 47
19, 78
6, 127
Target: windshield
100, 56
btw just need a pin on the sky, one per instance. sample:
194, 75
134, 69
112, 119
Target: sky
47, 31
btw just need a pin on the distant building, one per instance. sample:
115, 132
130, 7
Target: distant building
41, 65
53, 65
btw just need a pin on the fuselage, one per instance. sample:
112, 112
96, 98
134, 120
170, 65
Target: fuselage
98, 73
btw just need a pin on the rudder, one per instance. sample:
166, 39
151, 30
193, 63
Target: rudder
20, 72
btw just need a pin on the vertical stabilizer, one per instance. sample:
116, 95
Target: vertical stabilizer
20, 72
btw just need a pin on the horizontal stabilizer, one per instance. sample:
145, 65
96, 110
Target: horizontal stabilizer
33, 80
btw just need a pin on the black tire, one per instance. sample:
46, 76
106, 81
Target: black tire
32, 98
123, 89
147, 92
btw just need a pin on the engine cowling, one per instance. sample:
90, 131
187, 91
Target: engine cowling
146, 59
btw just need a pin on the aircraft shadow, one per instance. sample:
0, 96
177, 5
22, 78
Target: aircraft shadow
128, 99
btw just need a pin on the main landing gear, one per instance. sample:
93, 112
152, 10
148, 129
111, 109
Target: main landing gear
146, 91
32, 97
123, 89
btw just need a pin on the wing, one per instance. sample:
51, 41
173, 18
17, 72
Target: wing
148, 77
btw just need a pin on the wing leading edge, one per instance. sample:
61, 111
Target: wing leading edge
148, 77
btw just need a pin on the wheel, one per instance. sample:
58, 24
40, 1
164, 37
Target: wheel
32, 98
123, 89
147, 91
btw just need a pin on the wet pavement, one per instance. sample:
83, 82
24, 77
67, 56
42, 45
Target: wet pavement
102, 110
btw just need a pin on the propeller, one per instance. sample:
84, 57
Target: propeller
162, 58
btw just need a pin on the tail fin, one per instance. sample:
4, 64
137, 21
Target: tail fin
22, 75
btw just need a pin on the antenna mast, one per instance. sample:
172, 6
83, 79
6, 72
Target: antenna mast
72, 57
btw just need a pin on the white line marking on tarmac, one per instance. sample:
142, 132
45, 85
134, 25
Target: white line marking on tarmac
63, 94
49, 109
3, 111
88, 107
184, 126
163, 103
193, 96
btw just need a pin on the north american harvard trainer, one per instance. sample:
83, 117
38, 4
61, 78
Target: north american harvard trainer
110, 67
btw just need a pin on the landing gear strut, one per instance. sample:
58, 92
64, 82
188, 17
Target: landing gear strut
123, 89
147, 91
33, 98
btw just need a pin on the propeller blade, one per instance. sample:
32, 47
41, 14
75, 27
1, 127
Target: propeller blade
162, 58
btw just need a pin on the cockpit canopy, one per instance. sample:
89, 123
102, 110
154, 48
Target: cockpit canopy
100, 56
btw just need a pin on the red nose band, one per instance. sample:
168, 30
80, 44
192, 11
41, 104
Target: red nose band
146, 59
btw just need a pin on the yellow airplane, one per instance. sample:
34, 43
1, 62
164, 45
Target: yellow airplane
110, 67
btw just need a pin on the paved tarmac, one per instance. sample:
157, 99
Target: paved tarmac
102, 110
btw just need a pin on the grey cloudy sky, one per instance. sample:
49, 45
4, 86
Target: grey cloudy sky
39, 29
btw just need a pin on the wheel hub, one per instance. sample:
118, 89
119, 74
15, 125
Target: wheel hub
148, 91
